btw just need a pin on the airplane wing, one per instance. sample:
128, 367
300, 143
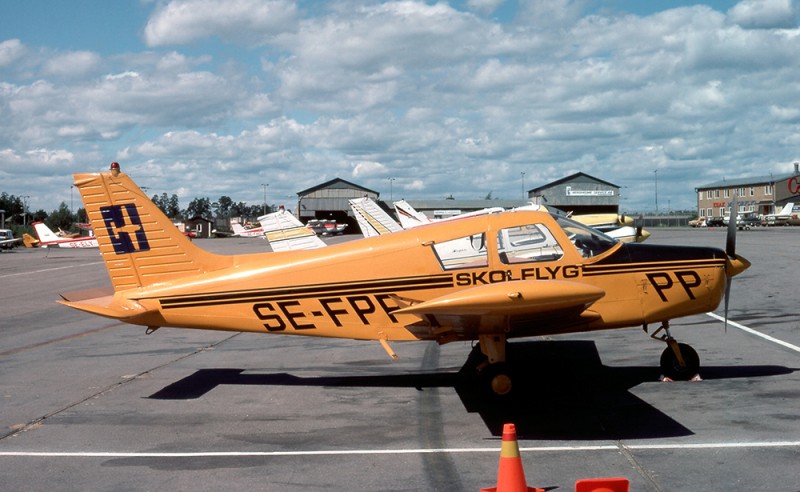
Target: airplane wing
372, 219
285, 232
518, 297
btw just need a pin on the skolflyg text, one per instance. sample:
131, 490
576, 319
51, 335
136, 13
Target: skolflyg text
535, 273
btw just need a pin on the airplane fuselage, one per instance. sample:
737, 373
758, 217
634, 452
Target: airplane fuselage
354, 290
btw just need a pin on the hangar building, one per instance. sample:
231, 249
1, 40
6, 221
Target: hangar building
578, 193
329, 200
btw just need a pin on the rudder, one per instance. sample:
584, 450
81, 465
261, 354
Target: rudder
139, 244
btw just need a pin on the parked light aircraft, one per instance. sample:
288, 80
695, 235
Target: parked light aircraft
780, 218
538, 274
48, 238
241, 231
285, 232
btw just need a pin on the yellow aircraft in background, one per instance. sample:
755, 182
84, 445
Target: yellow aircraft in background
526, 274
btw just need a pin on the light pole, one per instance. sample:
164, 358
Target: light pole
391, 191
265, 196
25, 210
522, 175
655, 173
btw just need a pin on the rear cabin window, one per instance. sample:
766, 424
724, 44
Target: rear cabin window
526, 244
464, 252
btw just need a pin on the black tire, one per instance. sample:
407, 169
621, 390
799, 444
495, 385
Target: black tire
673, 370
497, 380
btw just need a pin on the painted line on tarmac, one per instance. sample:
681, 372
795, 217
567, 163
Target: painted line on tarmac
356, 452
757, 333
45, 270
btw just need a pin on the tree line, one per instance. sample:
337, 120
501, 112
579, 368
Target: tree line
19, 218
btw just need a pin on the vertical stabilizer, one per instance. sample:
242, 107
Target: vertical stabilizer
139, 244
372, 219
409, 216
44, 233
285, 232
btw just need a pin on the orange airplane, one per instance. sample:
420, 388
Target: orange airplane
488, 278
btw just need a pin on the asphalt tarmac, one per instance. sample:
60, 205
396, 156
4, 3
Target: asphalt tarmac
92, 404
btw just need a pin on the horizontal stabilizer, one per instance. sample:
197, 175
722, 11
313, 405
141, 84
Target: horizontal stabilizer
110, 306
518, 297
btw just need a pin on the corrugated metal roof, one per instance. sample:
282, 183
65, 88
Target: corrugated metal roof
752, 180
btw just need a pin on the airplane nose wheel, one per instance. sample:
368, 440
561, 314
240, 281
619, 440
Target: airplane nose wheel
679, 361
681, 368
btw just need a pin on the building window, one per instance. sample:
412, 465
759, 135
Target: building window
768, 190
702, 212
752, 190
726, 193
710, 212
708, 194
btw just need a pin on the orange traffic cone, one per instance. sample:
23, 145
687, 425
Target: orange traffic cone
510, 475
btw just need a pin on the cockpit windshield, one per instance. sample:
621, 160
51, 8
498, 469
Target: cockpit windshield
589, 242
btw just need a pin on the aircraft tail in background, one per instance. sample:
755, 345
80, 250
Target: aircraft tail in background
285, 232
372, 219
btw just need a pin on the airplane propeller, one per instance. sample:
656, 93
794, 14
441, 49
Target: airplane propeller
735, 264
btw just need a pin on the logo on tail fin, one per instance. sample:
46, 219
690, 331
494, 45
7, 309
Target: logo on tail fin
125, 228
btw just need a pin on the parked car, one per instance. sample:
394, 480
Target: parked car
699, 222
7, 240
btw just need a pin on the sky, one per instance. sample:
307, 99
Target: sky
417, 100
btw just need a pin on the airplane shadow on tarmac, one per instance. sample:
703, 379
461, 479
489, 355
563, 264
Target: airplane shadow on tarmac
562, 392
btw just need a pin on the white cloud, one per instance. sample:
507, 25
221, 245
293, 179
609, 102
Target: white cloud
71, 64
764, 14
249, 21
444, 100
11, 50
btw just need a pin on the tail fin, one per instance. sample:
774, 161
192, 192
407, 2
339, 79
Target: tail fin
409, 216
237, 227
372, 219
285, 232
139, 244
44, 233
787, 209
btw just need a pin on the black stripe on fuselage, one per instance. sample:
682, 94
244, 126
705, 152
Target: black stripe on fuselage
309, 291
652, 257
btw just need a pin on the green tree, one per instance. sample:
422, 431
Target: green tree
60, 218
199, 207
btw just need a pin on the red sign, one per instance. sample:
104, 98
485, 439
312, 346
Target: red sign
794, 185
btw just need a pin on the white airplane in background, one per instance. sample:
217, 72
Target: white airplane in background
372, 219
410, 217
48, 238
780, 218
241, 231
285, 232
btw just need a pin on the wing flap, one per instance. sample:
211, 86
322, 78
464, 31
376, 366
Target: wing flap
519, 297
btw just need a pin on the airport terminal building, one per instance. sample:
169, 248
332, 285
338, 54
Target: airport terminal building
760, 194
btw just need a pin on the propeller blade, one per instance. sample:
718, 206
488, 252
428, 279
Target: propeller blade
727, 300
730, 244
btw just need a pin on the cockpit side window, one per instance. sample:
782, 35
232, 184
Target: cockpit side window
463, 252
526, 244
589, 242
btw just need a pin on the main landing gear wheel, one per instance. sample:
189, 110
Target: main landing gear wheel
497, 380
671, 366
